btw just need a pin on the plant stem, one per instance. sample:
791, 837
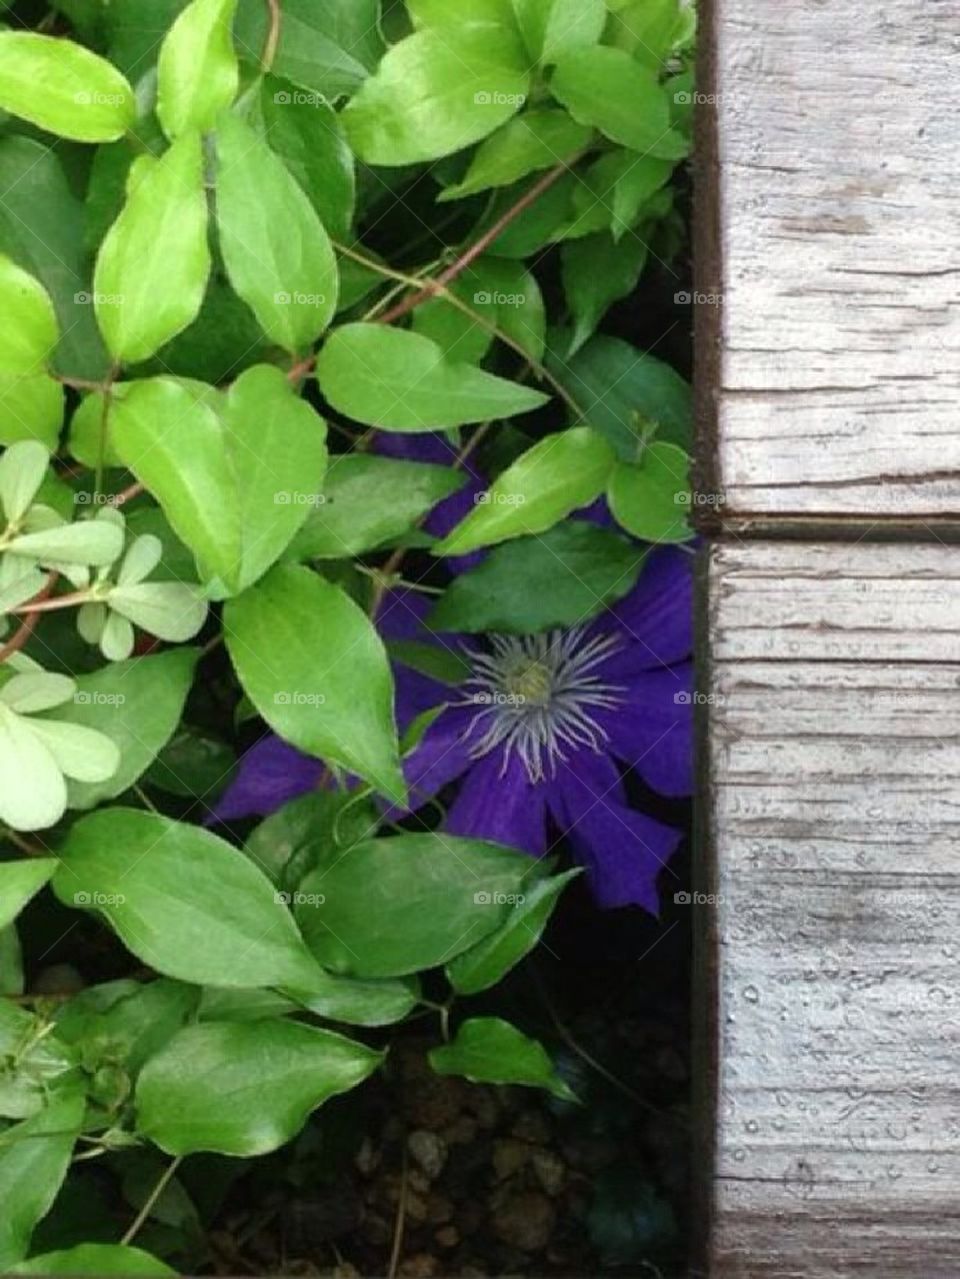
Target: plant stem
152, 1198
26, 630
481, 245
272, 42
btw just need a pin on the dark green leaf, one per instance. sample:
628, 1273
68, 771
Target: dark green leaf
19, 881
393, 906
125, 1022
579, 570
538, 139
325, 48
597, 272
490, 1051
244, 1088
651, 498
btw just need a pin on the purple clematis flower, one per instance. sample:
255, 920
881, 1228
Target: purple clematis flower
541, 732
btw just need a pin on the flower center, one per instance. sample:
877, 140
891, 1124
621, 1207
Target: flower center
537, 695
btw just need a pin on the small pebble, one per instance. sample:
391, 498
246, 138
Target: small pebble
429, 1150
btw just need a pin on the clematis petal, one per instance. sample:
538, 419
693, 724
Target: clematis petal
657, 616
651, 729
439, 758
33, 793
508, 809
623, 850
270, 774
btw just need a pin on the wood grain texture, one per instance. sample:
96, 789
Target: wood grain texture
829, 172
834, 801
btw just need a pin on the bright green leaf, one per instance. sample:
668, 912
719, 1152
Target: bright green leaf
152, 268
433, 95
605, 88
197, 72
94, 1259
277, 254
244, 1088
552, 28
488, 1050
651, 499
500, 293
368, 500
62, 87
184, 901
31, 408
315, 668
30, 324
19, 881
558, 475
538, 139
400, 381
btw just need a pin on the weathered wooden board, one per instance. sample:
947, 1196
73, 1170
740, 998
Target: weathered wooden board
834, 800
831, 232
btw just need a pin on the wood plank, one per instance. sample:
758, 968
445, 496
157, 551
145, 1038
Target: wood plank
834, 802
831, 230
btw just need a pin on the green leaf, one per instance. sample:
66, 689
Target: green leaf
34, 1062
400, 381
538, 139
137, 704
438, 15
483, 965
579, 570
361, 1003
278, 447
432, 95
182, 900
597, 272
19, 881
192, 766
535, 229
285, 844
558, 475
488, 1050
327, 49
34, 1159
369, 500
388, 907
651, 499
197, 73
62, 87
619, 387
96, 542
244, 1088
173, 441
312, 663
94, 1259
31, 331
31, 408
277, 254
41, 228
11, 962
172, 611
125, 1022
552, 28
152, 268
22, 468
620, 183
501, 293
306, 133
605, 88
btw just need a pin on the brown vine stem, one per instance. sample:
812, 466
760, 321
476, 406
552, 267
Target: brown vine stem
152, 1198
481, 245
16, 643
272, 42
